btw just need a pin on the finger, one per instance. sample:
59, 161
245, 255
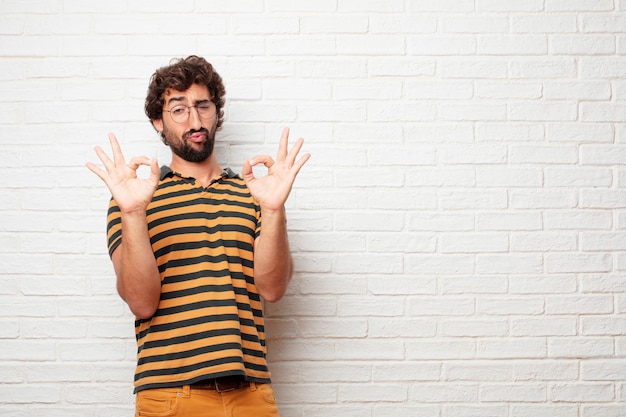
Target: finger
106, 161
283, 144
118, 157
96, 170
262, 159
295, 149
155, 171
300, 163
138, 161
246, 171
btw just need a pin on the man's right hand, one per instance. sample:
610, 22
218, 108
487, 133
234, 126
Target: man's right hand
131, 193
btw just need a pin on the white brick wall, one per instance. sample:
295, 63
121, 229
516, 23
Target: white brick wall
459, 234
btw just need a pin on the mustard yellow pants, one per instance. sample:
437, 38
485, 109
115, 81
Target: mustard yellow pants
255, 400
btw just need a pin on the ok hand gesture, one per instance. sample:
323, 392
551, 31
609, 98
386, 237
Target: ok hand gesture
272, 190
132, 194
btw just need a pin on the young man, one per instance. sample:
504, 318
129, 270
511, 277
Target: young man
195, 249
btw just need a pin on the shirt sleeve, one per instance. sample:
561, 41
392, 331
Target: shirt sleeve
114, 227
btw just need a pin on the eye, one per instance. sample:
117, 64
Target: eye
178, 110
204, 106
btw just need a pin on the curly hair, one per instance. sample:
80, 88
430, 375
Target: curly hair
180, 75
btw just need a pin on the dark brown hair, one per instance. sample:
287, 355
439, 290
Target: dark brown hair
180, 75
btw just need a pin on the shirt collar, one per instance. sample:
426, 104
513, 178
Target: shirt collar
167, 172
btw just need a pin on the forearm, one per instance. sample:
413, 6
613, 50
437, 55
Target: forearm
138, 280
273, 265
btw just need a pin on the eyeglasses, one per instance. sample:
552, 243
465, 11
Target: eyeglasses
180, 113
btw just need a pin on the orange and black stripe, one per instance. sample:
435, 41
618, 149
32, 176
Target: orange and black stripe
209, 322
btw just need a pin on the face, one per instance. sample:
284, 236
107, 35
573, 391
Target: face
194, 139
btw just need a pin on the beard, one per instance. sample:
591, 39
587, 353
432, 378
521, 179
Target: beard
183, 149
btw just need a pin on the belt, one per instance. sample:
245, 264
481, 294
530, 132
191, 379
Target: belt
223, 384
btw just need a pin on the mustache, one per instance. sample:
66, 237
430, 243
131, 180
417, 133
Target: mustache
192, 131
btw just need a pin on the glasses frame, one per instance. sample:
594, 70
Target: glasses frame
189, 111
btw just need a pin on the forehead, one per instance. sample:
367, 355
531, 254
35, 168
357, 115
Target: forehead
194, 93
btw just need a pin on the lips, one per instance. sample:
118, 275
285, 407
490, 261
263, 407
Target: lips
196, 137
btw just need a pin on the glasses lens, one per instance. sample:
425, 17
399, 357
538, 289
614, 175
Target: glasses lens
206, 110
179, 114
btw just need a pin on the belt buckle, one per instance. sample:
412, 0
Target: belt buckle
224, 385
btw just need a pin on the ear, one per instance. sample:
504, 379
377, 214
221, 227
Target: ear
157, 124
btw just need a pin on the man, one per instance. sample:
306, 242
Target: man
195, 248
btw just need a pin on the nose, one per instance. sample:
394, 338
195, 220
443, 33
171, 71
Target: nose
194, 118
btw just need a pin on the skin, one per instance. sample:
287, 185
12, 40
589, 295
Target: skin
138, 280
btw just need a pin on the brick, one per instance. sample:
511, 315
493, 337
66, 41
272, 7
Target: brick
513, 392
545, 370
553, 284
544, 68
579, 262
511, 348
372, 393
484, 284
602, 154
407, 371
400, 328
440, 349
288, 6
460, 393
318, 24
363, 90
602, 325
337, 372
473, 243
602, 112
509, 90
405, 66
543, 327
508, 221
479, 23
457, 306
543, 410
518, 45
602, 241
545, 242
508, 263
401, 23
554, 199
322, 328
578, 5
576, 392
543, 23
502, 306
405, 242
582, 45
370, 349
441, 6
508, 177
603, 198
474, 328
578, 177
602, 67
440, 264
472, 200
602, 370
16, 394
434, 45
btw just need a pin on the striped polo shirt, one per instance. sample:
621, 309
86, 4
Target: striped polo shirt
209, 321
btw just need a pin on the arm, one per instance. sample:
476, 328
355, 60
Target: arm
138, 280
273, 265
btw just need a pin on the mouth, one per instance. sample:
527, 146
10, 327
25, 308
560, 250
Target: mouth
196, 137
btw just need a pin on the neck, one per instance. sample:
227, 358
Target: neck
203, 172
